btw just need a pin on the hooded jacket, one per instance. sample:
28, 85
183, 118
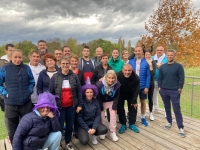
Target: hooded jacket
116, 65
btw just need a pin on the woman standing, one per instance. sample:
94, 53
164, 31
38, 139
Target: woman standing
152, 66
89, 117
108, 98
66, 86
74, 61
45, 75
115, 62
125, 55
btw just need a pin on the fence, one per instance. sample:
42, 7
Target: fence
190, 97
190, 102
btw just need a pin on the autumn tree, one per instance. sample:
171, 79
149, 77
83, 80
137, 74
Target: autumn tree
173, 25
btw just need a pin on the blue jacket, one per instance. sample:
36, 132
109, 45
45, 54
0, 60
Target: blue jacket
19, 83
90, 115
33, 131
43, 82
164, 61
144, 75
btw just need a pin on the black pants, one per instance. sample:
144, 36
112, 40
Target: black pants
83, 135
14, 113
150, 96
121, 112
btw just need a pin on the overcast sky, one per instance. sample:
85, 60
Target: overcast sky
84, 20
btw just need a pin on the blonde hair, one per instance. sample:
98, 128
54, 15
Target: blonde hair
112, 72
16, 50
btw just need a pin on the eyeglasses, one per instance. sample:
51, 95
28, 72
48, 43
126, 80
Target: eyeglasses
64, 63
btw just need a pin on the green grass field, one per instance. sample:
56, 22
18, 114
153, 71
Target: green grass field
190, 99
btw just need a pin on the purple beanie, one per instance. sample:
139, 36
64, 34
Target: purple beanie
90, 86
46, 99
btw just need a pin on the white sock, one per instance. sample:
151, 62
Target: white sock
143, 115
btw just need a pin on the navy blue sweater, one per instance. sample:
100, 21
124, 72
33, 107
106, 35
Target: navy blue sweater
171, 76
90, 115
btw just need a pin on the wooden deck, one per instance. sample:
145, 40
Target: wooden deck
152, 137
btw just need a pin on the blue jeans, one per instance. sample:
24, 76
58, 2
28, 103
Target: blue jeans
67, 115
53, 141
174, 97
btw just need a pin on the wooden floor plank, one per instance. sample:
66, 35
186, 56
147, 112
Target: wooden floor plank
79, 145
2, 145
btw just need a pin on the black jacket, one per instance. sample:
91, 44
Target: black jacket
99, 73
130, 87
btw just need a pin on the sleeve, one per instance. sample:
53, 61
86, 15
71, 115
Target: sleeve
136, 90
97, 117
160, 76
23, 128
3, 91
39, 83
94, 77
79, 92
99, 97
116, 99
148, 79
31, 80
55, 125
154, 68
81, 122
181, 77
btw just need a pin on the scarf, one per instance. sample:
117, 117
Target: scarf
160, 59
108, 89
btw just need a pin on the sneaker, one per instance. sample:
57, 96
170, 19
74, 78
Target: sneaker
94, 140
151, 116
113, 136
133, 128
144, 122
122, 129
69, 147
102, 137
168, 125
182, 132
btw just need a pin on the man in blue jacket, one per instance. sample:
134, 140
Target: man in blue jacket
170, 84
141, 68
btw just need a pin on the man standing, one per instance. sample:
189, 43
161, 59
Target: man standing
86, 64
160, 58
36, 68
42, 47
58, 55
97, 59
3, 61
129, 90
66, 51
141, 67
170, 84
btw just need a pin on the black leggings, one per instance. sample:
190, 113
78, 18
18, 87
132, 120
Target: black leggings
150, 96
83, 135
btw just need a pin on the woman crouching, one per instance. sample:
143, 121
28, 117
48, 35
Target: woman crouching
39, 129
89, 117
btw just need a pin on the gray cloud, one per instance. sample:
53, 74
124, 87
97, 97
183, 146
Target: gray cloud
84, 20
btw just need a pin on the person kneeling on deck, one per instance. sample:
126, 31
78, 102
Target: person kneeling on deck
89, 117
170, 84
39, 129
129, 90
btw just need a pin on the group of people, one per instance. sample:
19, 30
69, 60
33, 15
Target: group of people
59, 93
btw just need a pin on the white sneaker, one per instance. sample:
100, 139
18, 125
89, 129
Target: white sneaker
182, 132
102, 137
113, 136
151, 116
94, 140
